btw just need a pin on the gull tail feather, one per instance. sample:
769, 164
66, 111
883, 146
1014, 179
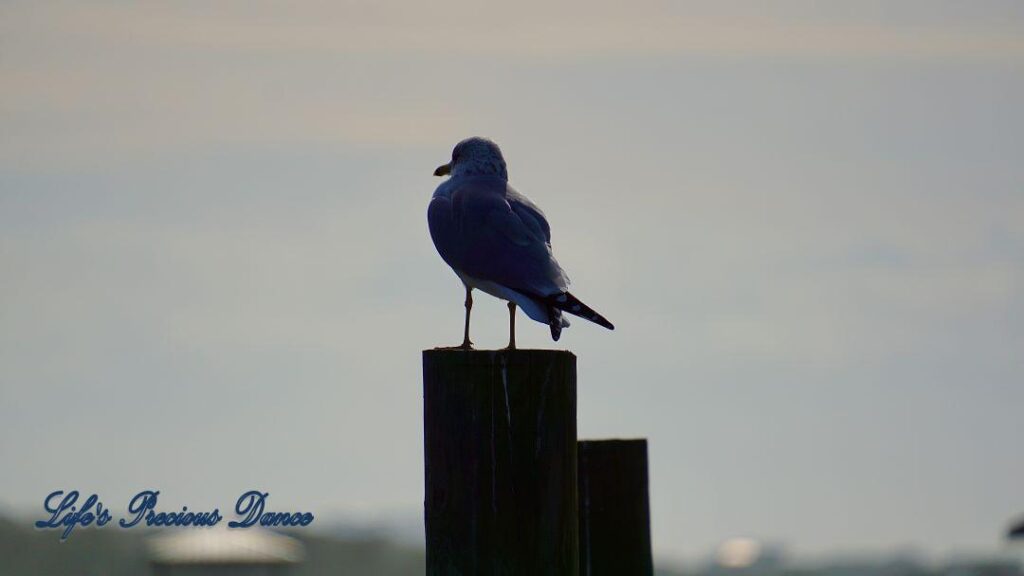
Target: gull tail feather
568, 303
555, 322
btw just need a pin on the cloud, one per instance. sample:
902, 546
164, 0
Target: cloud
532, 29
89, 85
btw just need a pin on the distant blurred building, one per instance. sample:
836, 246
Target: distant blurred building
223, 552
983, 567
746, 557
1016, 531
1015, 537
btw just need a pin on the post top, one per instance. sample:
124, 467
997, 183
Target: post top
476, 357
495, 352
612, 441
613, 447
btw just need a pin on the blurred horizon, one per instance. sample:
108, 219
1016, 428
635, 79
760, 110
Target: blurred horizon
804, 219
389, 546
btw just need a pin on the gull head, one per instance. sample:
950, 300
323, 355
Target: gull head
475, 157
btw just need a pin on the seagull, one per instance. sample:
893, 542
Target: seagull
498, 241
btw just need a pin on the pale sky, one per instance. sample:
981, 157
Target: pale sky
806, 220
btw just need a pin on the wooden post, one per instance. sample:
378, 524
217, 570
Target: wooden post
615, 524
500, 448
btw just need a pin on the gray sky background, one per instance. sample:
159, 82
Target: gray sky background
806, 220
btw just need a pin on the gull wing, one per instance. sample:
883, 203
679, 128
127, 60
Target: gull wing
484, 229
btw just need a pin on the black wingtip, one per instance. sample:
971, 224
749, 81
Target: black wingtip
566, 302
601, 321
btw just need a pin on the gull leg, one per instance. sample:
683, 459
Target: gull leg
466, 344
511, 326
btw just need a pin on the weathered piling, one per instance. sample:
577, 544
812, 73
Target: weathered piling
614, 514
500, 450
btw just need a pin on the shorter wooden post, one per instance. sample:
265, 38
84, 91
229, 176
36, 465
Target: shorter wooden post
615, 525
500, 451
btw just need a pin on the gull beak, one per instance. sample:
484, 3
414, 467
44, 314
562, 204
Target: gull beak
443, 170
